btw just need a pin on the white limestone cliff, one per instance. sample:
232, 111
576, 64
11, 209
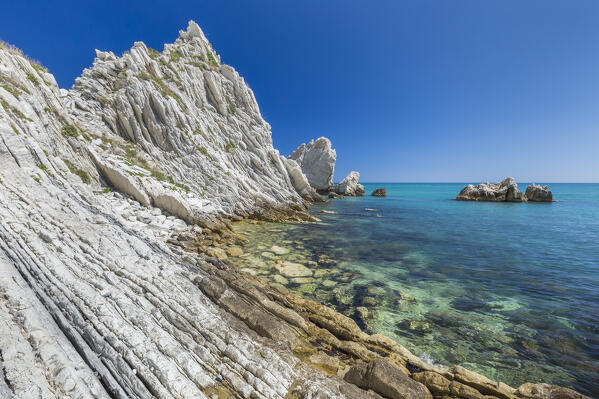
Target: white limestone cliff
111, 195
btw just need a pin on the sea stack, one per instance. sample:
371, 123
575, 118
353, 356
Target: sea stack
537, 193
379, 192
350, 186
317, 161
504, 191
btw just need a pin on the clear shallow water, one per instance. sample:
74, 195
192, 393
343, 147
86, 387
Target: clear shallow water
509, 290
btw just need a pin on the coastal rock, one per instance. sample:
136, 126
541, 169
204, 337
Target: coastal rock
546, 391
482, 383
291, 269
504, 191
386, 380
379, 192
317, 161
334, 195
279, 250
108, 286
350, 186
234, 251
537, 193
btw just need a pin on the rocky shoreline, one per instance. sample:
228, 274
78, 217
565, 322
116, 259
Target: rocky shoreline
116, 202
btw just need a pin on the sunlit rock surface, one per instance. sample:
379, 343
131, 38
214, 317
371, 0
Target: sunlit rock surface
115, 199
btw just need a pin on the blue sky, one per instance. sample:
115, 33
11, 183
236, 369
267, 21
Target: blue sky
463, 90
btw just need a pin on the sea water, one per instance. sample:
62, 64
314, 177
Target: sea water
510, 290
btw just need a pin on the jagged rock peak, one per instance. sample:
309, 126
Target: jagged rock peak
317, 160
350, 186
194, 123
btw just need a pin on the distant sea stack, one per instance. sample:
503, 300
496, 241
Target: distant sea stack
379, 192
536, 193
317, 162
504, 191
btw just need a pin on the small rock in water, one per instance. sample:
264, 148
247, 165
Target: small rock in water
268, 255
302, 280
325, 211
280, 279
216, 253
290, 269
362, 313
328, 283
234, 251
248, 270
379, 192
279, 250
404, 296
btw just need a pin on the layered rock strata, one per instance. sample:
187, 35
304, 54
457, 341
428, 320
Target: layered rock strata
115, 198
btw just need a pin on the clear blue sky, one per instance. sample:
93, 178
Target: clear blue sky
406, 90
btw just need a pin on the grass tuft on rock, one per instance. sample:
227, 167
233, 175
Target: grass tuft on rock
31, 77
70, 131
79, 172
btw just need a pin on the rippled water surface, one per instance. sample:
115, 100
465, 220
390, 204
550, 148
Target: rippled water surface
509, 290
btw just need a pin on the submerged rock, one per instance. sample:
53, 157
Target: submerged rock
504, 191
234, 251
379, 192
537, 193
290, 269
279, 250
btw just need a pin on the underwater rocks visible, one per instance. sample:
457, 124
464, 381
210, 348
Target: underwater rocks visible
291, 269
379, 192
504, 191
537, 193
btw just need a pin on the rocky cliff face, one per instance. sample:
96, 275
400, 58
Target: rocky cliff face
114, 200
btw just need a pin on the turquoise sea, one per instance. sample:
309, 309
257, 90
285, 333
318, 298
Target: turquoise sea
509, 290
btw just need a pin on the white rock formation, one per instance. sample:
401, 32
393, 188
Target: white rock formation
504, 191
107, 286
317, 161
350, 186
537, 193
